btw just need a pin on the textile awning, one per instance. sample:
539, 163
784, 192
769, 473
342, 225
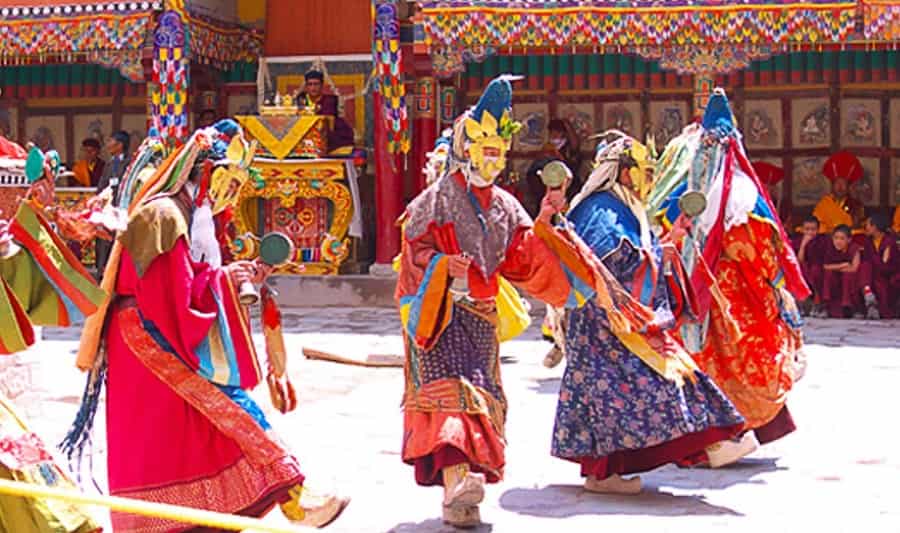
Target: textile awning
456, 31
112, 34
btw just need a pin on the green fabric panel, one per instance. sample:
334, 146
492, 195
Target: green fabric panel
640, 65
626, 64
519, 65
813, 61
90, 74
860, 60
490, 68
35, 76
65, 74
473, 70
77, 74
36, 295
876, 59
549, 68
503, 65
892, 56
23, 77
780, 63
828, 60
610, 63
565, 65
796, 59
103, 76
765, 65
534, 66
593, 64
579, 64
654, 67
843, 60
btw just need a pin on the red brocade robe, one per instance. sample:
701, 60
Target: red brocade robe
454, 406
180, 427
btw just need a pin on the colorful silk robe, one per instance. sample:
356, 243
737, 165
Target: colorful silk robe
180, 356
454, 404
42, 284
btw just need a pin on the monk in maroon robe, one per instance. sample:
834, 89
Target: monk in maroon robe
810, 247
882, 254
341, 135
846, 275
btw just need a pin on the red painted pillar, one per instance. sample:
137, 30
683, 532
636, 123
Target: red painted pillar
388, 191
424, 128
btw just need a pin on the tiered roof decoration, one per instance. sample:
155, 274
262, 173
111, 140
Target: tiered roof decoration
112, 34
689, 31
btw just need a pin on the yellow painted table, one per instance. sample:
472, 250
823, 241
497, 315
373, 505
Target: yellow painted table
297, 193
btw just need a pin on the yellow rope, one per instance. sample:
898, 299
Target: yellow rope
158, 510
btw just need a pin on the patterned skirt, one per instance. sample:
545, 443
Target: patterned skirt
454, 406
617, 416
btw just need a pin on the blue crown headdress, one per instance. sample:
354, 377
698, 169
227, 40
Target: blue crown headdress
496, 100
718, 117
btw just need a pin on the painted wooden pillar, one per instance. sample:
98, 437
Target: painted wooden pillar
388, 189
424, 127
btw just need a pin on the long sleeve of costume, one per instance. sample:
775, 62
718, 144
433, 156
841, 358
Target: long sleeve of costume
43, 283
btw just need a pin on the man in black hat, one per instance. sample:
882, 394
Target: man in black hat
312, 98
119, 157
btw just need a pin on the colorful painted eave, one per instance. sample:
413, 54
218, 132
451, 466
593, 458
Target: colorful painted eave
582, 25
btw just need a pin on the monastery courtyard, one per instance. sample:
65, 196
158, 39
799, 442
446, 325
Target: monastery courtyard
838, 472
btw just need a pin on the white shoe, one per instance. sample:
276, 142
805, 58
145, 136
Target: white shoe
468, 492
727, 452
614, 484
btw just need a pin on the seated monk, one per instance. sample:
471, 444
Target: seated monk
771, 175
810, 247
311, 99
846, 276
839, 208
89, 168
881, 252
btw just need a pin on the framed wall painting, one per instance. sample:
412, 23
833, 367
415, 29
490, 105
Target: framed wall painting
894, 196
9, 123
136, 126
867, 190
534, 119
763, 126
808, 183
581, 117
860, 122
810, 123
894, 122
667, 119
624, 116
48, 133
92, 126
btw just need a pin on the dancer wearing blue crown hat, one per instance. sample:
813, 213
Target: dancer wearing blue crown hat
460, 235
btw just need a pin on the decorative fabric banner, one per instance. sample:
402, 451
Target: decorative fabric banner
564, 25
169, 94
388, 59
881, 19
222, 46
76, 35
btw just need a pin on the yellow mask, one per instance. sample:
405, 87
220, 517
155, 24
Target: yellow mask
491, 136
227, 180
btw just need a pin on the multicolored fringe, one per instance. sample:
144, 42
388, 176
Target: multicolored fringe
388, 77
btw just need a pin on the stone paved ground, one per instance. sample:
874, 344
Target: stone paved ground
839, 472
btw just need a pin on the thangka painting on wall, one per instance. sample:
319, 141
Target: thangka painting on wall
581, 116
92, 126
9, 123
894, 197
860, 122
241, 104
48, 133
624, 116
667, 120
763, 127
810, 123
808, 184
894, 122
867, 189
533, 134
136, 126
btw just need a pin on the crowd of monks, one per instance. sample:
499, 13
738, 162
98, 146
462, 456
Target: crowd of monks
849, 255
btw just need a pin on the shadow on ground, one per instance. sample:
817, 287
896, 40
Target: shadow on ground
436, 526
562, 501
545, 385
748, 471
